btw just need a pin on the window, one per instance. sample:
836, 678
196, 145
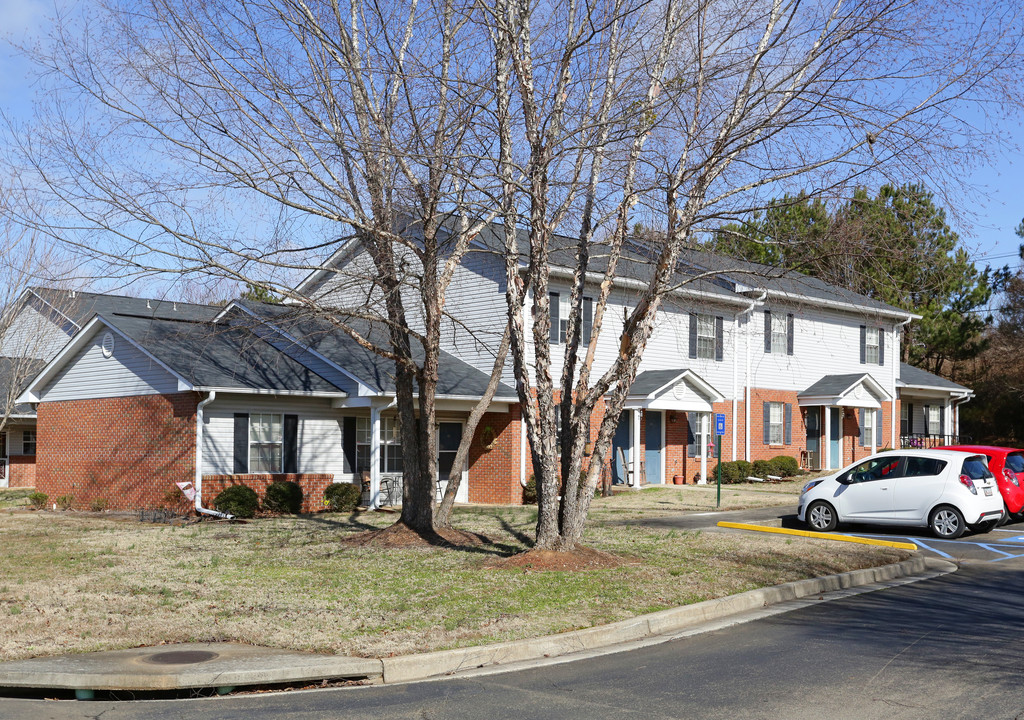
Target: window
871, 346
706, 337
869, 425
28, 442
266, 438
780, 334
880, 468
923, 467
775, 423
934, 420
560, 318
905, 419
390, 445
975, 468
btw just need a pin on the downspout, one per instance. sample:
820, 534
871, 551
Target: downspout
746, 392
197, 482
895, 375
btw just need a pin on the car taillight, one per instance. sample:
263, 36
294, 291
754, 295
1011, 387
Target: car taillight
1011, 476
966, 481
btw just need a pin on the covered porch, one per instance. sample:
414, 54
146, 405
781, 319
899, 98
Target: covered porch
664, 429
831, 405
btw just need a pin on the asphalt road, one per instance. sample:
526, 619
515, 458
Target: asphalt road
947, 647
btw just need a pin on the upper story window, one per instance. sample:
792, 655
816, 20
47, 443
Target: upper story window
872, 345
559, 304
266, 439
778, 333
706, 337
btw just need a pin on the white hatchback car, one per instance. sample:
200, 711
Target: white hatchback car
945, 490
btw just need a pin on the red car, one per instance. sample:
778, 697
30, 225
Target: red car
1007, 464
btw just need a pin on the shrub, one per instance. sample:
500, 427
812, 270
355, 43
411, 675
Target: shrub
64, 502
38, 500
530, 491
762, 468
785, 466
343, 497
283, 496
744, 468
730, 473
98, 505
238, 500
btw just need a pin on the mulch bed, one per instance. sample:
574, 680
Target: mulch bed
579, 558
402, 536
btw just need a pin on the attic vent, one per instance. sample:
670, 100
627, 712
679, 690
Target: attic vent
108, 345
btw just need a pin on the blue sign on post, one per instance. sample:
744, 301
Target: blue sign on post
719, 423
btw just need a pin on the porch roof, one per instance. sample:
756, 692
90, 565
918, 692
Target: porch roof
672, 389
915, 377
858, 390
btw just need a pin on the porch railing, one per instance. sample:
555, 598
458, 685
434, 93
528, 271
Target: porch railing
926, 440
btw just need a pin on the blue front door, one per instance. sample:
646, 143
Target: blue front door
835, 435
620, 448
652, 454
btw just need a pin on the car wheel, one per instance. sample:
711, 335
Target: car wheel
984, 527
821, 516
946, 522
1005, 518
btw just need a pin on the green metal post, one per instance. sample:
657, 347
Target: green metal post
719, 439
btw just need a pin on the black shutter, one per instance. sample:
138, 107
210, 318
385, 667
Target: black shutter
693, 337
878, 429
241, 443
767, 331
767, 422
789, 334
942, 422
291, 443
719, 338
910, 419
588, 318
691, 437
863, 344
789, 424
860, 421
553, 311
348, 444
881, 346
927, 424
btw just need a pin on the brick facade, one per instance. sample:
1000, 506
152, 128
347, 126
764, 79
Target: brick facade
312, 484
21, 471
128, 451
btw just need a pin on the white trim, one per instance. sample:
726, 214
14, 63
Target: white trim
52, 307
76, 343
265, 391
847, 306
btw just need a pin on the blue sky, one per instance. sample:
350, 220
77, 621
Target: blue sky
986, 220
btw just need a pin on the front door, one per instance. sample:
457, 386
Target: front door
449, 435
652, 453
814, 438
620, 448
835, 438
867, 494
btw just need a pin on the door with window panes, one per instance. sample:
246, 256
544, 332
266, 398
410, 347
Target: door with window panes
449, 435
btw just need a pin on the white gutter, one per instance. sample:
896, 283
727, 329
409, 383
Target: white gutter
895, 377
197, 481
746, 392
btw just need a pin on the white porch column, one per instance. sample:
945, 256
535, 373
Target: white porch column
374, 456
635, 451
705, 423
827, 435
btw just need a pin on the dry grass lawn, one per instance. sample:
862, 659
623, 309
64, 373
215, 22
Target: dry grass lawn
79, 582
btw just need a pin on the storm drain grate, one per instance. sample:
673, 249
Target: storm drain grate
181, 657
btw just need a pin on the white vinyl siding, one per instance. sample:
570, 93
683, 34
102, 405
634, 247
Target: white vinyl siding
33, 334
128, 371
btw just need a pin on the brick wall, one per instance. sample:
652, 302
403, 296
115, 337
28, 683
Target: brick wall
21, 471
494, 460
312, 484
128, 451
798, 427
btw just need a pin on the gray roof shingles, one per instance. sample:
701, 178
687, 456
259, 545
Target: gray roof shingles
831, 385
913, 376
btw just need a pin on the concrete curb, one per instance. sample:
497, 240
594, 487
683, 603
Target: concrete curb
242, 665
446, 662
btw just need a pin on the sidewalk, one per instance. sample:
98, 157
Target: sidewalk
227, 666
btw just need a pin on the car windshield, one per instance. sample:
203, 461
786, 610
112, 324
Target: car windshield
974, 468
1015, 461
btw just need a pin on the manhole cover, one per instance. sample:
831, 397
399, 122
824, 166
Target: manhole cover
181, 657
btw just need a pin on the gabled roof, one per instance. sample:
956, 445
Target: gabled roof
79, 307
915, 377
15, 375
322, 335
837, 390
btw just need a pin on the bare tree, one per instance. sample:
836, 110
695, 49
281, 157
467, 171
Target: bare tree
683, 115
321, 124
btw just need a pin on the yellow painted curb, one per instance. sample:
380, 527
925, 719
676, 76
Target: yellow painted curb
822, 536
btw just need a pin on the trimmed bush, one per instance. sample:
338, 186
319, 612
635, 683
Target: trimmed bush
38, 500
762, 468
785, 466
283, 496
730, 474
530, 491
238, 500
743, 468
343, 497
